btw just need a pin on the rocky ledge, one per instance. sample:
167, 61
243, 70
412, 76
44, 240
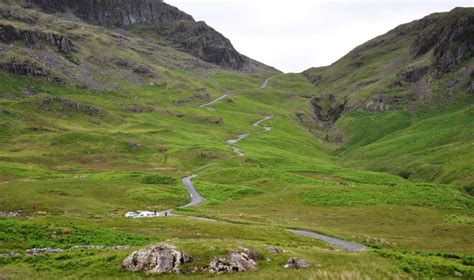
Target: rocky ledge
35, 38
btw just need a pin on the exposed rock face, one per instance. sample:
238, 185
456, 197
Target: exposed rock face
116, 13
297, 263
377, 103
327, 110
455, 44
156, 259
452, 38
275, 250
204, 42
34, 38
18, 17
66, 105
238, 261
28, 68
412, 74
196, 38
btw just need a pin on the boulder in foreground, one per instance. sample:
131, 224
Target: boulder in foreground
156, 259
238, 261
297, 263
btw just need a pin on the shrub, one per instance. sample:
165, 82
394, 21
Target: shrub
158, 179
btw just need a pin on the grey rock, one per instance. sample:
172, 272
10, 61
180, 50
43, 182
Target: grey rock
28, 68
115, 13
412, 74
13, 15
156, 259
327, 115
10, 255
238, 261
47, 104
451, 37
275, 250
471, 88
27, 91
42, 251
377, 103
143, 70
11, 213
35, 38
297, 263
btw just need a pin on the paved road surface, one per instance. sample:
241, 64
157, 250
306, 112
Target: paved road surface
265, 83
214, 101
346, 245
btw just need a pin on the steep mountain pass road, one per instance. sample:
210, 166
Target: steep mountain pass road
265, 83
346, 245
231, 143
213, 102
195, 197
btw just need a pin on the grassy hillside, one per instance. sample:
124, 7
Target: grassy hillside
76, 156
407, 100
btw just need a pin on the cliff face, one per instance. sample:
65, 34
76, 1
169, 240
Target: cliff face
35, 38
451, 37
115, 13
196, 38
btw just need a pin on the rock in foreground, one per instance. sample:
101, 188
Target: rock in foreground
297, 263
238, 261
156, 259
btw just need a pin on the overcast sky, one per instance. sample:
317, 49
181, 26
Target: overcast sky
294, 35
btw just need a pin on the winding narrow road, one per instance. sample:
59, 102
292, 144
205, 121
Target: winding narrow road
265, 83
197, 199
213, 102
346, 245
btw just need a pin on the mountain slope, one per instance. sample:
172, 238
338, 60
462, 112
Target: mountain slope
179, 28
386, 95
98, 121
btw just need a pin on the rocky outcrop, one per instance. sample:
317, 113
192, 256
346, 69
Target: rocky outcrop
196, 38
116, 13
35, 38
451, 36
238, 261
66, 105
412, 74
13, 15
202, 41
42, 251
275, 250
156, 259
377, 103
327, 110
28, 68
297, 263
455, 45
143, 70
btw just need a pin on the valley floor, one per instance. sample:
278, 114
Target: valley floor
68, 178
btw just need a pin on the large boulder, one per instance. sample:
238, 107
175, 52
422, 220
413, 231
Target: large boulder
156, 259
297, 263
238, 261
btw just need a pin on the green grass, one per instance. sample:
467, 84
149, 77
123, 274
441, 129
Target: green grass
83, 171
